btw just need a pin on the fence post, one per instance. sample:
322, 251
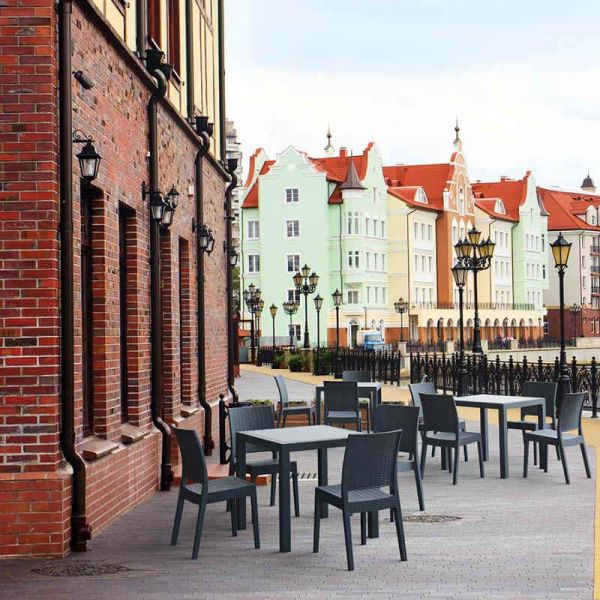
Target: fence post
540, 376
556, 369
525, 375
574, 375
594, 384
511, 376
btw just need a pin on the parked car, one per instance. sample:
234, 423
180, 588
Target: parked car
373, 340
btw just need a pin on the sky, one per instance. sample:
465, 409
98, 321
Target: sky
523, 78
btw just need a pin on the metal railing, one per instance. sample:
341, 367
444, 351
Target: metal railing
470, 305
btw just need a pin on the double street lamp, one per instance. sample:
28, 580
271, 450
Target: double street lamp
475, 255
337, 301
290, 308
560, 251
401, 307
306, 283
252, 298
460, 272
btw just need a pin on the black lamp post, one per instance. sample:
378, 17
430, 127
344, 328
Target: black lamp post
560, 251
318, 305
459, 272
337, 300
252, 299
273, 311
475, 256
257, 316
575, 311
401, 307
290, 308
306, 283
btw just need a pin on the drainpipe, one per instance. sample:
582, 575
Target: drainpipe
140, 28
231, 167
80, 529
160, 73
341, 254
199, 188
222, 111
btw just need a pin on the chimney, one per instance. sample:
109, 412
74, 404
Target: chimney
343, 151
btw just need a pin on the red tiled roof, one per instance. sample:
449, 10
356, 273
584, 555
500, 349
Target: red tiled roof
407, 194
562, 207
432, 178
488, 205
511, 191
251, 199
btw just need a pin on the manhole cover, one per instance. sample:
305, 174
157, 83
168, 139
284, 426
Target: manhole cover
430, 518
80, 570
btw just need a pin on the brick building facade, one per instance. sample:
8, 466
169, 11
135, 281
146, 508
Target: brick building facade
114, 426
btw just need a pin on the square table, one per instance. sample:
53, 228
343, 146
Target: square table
285, 441
373, 388
502, 404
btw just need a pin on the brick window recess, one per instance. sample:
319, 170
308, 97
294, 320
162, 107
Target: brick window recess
174, 35
185, 324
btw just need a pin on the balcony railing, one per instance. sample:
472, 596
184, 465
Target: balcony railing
471, 305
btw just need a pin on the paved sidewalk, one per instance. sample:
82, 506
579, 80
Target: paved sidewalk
515, 539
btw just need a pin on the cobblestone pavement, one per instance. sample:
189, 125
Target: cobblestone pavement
515, 538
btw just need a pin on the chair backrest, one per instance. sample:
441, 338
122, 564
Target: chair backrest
392, 417
363, 376
370, 461
539, 389
439, 413
340, 395
416, 389
569, 411
249, 418
283, 393
193, 465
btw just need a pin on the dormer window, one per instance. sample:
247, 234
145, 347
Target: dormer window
500, 208
421, 196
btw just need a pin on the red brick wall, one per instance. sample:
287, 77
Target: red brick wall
114, 113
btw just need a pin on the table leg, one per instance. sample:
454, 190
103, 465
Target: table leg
483, 423
318, 405
541, 425
240, 505
373, 524
285, 525
502, 432
322, 475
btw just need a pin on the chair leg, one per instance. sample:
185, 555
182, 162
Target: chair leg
198, 535
466, 452
419, 486
177, 523
359, 423
317, 525
456, 463
234, 525
480, 456
400, 531
279, 417
363, 528
563, 457
255, 530
348, 538
432, 451
586, 464
544, 451
253, 481
526, 455
423, 458
444, 461
273, 487
295, 492
284, 418
449, 459
535, 453
557, 453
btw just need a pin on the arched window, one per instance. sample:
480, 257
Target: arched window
461, 201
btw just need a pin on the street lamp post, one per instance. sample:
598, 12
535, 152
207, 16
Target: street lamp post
337, 300
290, 308
560, 251
459, 272
258, 315
252, 298
475, 256
273, 311
318, 305
575, 311
306, 283
401, 306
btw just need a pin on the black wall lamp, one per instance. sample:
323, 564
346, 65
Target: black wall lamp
89, 158
207, 239
162, 208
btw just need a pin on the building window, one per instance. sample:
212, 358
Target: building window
368, 294
253, 230
375, 257
253, 263
291, 195
292, 228
293, 263
353, 259
154, 22
367, 226
293, 296
349, 223
352, 296
294, 331
383, 229
174, 35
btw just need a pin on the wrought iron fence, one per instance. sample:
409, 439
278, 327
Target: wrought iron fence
489, 376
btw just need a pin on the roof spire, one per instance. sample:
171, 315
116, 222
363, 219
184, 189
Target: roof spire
588, 185
329, 150
457, 130
352, 181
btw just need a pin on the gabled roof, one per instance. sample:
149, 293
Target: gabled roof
512, 192
432, 178
408, 195
251, 199
563, 206
489, 206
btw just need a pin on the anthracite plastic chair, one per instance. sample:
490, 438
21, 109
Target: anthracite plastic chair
569, 419
341, 403
369, 484
285, 409
427, 387
536, 389
250, 418
204, 491
392, 417
441, 425
365, 404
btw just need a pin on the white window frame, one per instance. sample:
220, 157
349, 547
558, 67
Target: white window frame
251, 264
353, 296
287, 263
291, 195
255, 223
286, 229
